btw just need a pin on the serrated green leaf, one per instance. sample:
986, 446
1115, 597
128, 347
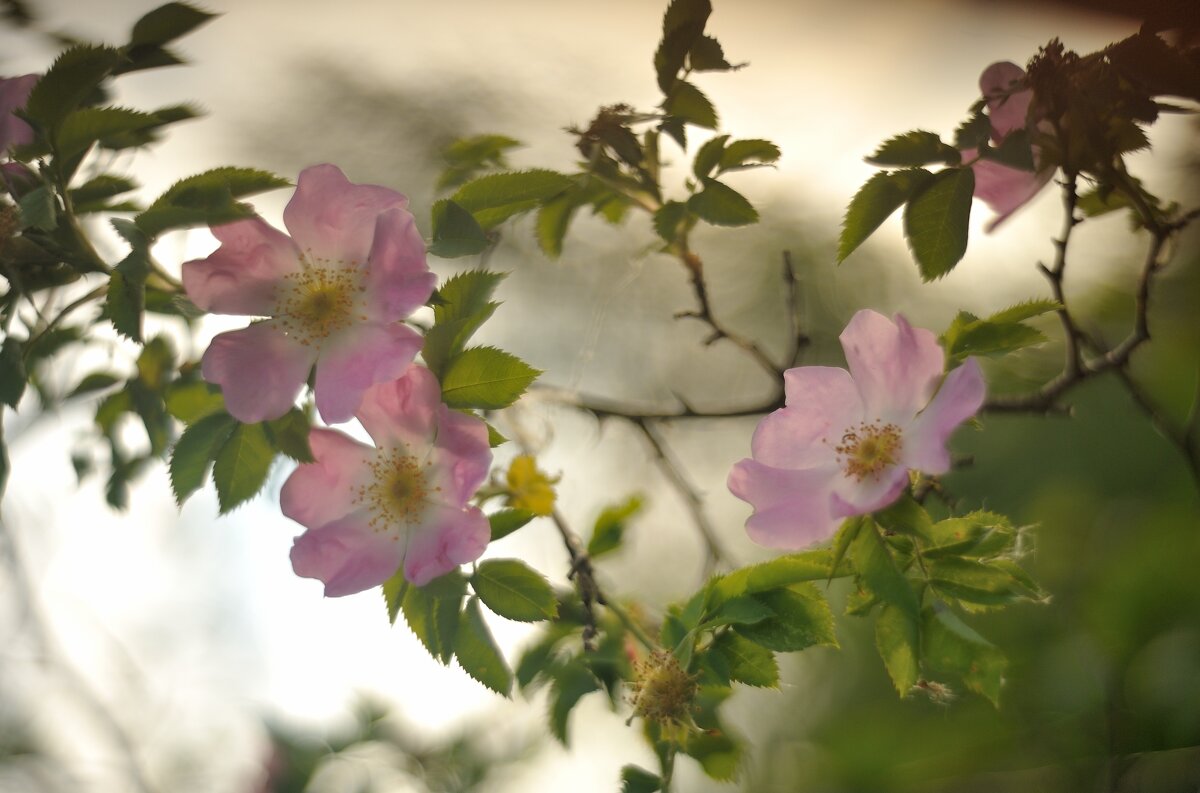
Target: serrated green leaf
514, 591
495, 437
980, 337
1027, 309
71, 79
670, 220
289, 434
456, 232
683, 25
81, 128
687, 102
975, 534
639, 780
446, 339
167, 23
432, 612
197, 448
100, 188
743, 610
878, 572
570, 684
609, 529
504, 522
801, 619
708, 156
466, 157
936, 222
1015, 152
906, 516
721, 205
707, 55
39, 209
477, 652
486, 378
553, 220
206, 199
974, 132
241, 466
190, 401
950, 645
747, 154
790, 569
12, 372
897, 636
914, 148
748, 662
494, 198
882, 195
975, 582
126, 300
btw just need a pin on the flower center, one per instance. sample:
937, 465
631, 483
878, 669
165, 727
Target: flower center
398, 492
868, 449
319, 301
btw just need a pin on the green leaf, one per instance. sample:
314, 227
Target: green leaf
716, 751
495, 438
486, 378
975, 582
466, 157
71, 79
241, 466
936, 222
506, 521
98, 189
906, 516
189, 401
914, 148
748, 154
39, 209
687, 102
976, 534
196, 448
513, 590
669, 220
570, 684
463, 305
748, 662
126, 301
878, 573
12, 372
496, 197
882, 195
289, 435
708, 156
1015, 151
5, 467
432, 612
477, 652
683, 25
721, 205
93, 382
167, 23
801, 619
81, 128
706, 55
638, 780
609, 529
456, 232
968, 335
897, 635
785, 570
949, 645
206, 199
974, 132
553, 220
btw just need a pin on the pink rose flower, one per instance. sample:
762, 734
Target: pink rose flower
14, 92
370, 510
844, 442
1001, 187
334, 291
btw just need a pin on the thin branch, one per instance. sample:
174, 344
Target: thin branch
1179, 437
603, 407
799, 339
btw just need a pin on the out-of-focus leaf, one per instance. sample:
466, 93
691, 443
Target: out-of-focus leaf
721, 205
936, 222
914, 148
687, 102
609, 529
12, 372
897, 635
456, 232
477, 652
506, 521
949, 645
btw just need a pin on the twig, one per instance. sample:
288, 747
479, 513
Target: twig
1178, 437
799, 339
604, 408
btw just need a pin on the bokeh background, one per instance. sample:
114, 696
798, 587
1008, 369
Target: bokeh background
160, 649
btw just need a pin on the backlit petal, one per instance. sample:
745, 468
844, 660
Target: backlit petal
399, 281
791, 508
454, 537
14, 92
243, 275
959, 398
821, 403
356, 359
1007, 109
403, 411
331, 218
260, 371
319, 492
895, 366
347, 555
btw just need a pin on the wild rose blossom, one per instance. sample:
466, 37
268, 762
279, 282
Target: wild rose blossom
1003, 188
370, 510
14, 92
844, 442
334, 293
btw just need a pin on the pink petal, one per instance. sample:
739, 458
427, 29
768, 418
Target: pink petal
453, 537
241, 276
791, 508
895, 366
330, 218
959, 398
463, 449
399, 280
403, 411
260, 371
821, 401
852, 497
356, 359
1007, 109
14, 92
1005, 189
347, 555
319, 492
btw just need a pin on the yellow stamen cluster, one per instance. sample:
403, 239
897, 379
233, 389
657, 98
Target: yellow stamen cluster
320, 300
868, 449
398, 493
663, 691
